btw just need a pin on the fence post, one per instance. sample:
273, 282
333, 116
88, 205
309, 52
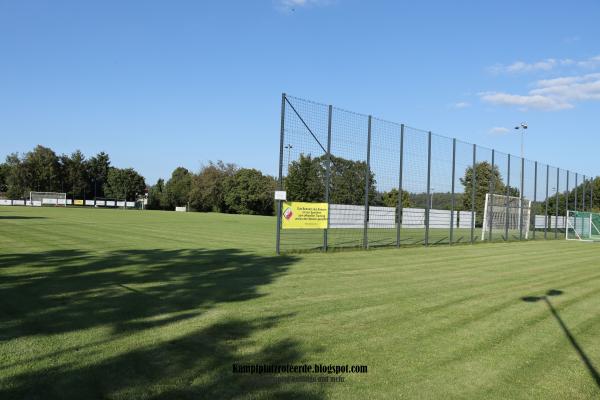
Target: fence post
452, 207
583, 196
427, 204
534, 197
567, 198
556, 207
507, 203
546, 212
491, 199
474, 182
522, 199
591, 194
576, 189
327, 176
367, 178
280, 180
400, 205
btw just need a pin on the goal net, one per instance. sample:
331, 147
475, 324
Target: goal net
583, 225
502, 213
38, 199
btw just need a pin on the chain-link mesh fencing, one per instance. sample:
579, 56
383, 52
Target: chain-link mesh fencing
388, 184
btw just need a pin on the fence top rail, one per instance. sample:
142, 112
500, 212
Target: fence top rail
479, 147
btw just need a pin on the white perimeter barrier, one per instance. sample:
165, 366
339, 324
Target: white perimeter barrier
346, 216
50, 202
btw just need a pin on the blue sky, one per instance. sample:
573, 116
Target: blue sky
164, 84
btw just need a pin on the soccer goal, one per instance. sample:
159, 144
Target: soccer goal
38, 199
583, 225
502, 212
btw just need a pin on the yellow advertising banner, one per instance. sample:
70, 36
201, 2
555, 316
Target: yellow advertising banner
78, 202
298, 215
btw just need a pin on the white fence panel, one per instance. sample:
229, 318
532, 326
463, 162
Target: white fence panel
413, 218
111, 203
4, 202
343, 216
121, 203
464, 219
539, 221
131, 204
382, 217
439, 218
89, 202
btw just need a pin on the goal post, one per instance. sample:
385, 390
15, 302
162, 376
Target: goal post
39, 199
501, 212
583, 226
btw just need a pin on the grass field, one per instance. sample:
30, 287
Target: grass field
126, 304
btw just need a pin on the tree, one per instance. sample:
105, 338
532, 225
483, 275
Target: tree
487, 179
306, 180
178, 187
16, 177
390, 199
74, 174
156, 196
42, 169
123, 184
248, 191
207, 191
348, 180
4, 171
98, 168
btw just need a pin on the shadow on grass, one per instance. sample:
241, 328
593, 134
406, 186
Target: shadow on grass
133, 292
19, 217
586, 361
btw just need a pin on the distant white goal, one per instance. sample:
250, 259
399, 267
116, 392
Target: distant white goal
503, 212
38, 199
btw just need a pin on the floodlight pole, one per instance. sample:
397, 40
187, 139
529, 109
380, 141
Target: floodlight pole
522, 128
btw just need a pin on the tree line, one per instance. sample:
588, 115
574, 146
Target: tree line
228, 188
41, 169
217, 187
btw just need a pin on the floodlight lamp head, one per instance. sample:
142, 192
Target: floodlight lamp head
524, 125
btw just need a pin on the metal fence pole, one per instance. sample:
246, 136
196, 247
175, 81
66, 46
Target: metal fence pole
522, 199
280, 181
546, 212
506, 219
491, 197
583, 196
367, 178
474, 182
534, 196
567, 195
327, 175
400, 205
576, 189
591, 194
556, 206
427, 205
452, 206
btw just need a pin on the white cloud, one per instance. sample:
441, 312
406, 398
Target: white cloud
544, 65
461, 104
551, 94
498, 130
292, 5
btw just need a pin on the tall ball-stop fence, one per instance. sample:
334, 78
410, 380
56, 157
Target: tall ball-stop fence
378, 183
